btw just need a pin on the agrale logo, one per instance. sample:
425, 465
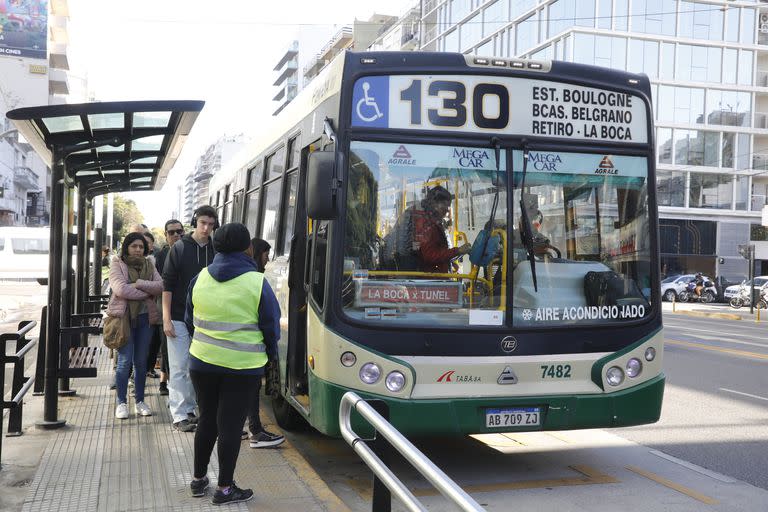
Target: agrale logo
401, 156
446, 377
606, 167
507, 376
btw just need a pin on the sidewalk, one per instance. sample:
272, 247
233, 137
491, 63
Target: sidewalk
715, 310
140, 464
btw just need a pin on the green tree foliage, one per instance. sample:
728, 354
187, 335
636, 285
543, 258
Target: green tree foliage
125, 215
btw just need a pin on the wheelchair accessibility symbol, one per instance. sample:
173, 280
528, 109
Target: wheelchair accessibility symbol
371, 101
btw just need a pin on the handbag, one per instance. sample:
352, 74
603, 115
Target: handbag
117, 331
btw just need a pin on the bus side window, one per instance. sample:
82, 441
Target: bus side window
319, 248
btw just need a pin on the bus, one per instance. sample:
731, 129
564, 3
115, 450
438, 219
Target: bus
526, 303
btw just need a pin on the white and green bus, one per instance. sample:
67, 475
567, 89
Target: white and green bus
551, 321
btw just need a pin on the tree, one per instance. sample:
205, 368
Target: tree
126, 214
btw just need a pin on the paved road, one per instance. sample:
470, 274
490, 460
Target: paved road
20, 301
715, 411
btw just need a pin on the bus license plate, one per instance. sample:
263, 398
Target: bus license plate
519, 417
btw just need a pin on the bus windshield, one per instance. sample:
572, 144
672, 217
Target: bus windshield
414, 211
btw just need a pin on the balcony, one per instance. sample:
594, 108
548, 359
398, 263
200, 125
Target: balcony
57, 25
287, 90
313, 67
290, 53
58, 81
340, 40
57, 56
25, 178
291, 68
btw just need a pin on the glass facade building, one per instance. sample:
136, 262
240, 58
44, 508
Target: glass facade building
708, 65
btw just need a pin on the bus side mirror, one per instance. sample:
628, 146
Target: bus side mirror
321, 186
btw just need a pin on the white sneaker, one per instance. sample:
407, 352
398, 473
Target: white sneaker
143, 409
121, 411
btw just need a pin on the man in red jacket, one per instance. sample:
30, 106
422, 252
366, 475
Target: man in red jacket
430, 242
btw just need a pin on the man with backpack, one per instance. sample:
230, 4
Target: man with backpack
185, 260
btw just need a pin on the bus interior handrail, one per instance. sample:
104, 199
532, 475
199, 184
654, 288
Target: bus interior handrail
413, 455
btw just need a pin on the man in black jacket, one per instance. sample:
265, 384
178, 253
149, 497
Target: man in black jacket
185, 260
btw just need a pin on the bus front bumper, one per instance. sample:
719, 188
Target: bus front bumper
637, 405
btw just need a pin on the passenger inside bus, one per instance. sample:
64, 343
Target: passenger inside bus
418, 241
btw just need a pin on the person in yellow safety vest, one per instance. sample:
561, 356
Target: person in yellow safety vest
234, 319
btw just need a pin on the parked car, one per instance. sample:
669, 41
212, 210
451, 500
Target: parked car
673, 285
24, 253
761, 284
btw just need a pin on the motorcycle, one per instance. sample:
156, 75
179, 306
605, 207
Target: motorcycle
744, 299
689, 294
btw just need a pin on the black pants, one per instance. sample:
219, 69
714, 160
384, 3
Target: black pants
254, 422
154, 347
164, 353
220, 397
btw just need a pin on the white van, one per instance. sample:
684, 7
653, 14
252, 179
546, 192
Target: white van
24, 253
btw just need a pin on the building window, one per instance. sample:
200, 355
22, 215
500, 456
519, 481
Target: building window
653, 17
451, 41
526, 34
681, 104
698, 63
730, 65
670, 188
711, 191
644, 57
471, 32
731, 24
495, 17
730, 108
748, 25
700, 21
621, 15
604, 14
664, 141
741, 192
745, 67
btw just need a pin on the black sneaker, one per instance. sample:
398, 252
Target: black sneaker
192, 418
235, 495
266, 439
164, 388
244, 435
198, 487
184, 426
152, 374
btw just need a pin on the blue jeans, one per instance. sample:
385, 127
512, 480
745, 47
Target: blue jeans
181, 393
134, 353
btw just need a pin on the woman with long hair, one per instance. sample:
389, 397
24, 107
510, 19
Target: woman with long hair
135, 284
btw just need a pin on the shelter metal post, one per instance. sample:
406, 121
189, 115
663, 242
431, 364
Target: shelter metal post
82, 251
53, 326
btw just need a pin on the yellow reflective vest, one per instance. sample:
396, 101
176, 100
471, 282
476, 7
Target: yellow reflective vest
226, 320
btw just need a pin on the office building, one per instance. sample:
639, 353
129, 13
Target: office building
708, 65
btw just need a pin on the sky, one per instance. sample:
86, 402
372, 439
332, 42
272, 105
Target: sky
222, 52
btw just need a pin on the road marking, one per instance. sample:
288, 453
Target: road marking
590, 476
710, 331
744, 394
694, 467
742, 353
672, 485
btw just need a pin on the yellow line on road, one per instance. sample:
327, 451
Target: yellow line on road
742, 353
672, 485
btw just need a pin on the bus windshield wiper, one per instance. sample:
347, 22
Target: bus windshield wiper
526, 232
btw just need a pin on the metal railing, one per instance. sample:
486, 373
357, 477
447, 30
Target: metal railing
442, 482
21, 384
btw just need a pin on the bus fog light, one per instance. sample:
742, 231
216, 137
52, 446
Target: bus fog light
348, 359
395, 381
634, 367
650, 354
614, 376
370, 373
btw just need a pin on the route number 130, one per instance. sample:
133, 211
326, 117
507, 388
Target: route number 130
453, 111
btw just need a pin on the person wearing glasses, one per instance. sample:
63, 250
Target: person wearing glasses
173, 230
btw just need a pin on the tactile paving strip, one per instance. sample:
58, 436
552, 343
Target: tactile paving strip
141, 464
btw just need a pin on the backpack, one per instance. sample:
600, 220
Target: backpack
607, 288
397, 247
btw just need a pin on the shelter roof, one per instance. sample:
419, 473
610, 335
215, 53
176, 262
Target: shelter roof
111, 146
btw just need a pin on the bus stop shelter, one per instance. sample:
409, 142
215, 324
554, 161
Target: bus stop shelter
92, 149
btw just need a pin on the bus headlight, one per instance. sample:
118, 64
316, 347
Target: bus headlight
634, 367
395, 381
370, 373
614, 376
650, 354
348, 359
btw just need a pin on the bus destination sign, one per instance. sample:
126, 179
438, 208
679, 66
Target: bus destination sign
422, 294
519, 106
